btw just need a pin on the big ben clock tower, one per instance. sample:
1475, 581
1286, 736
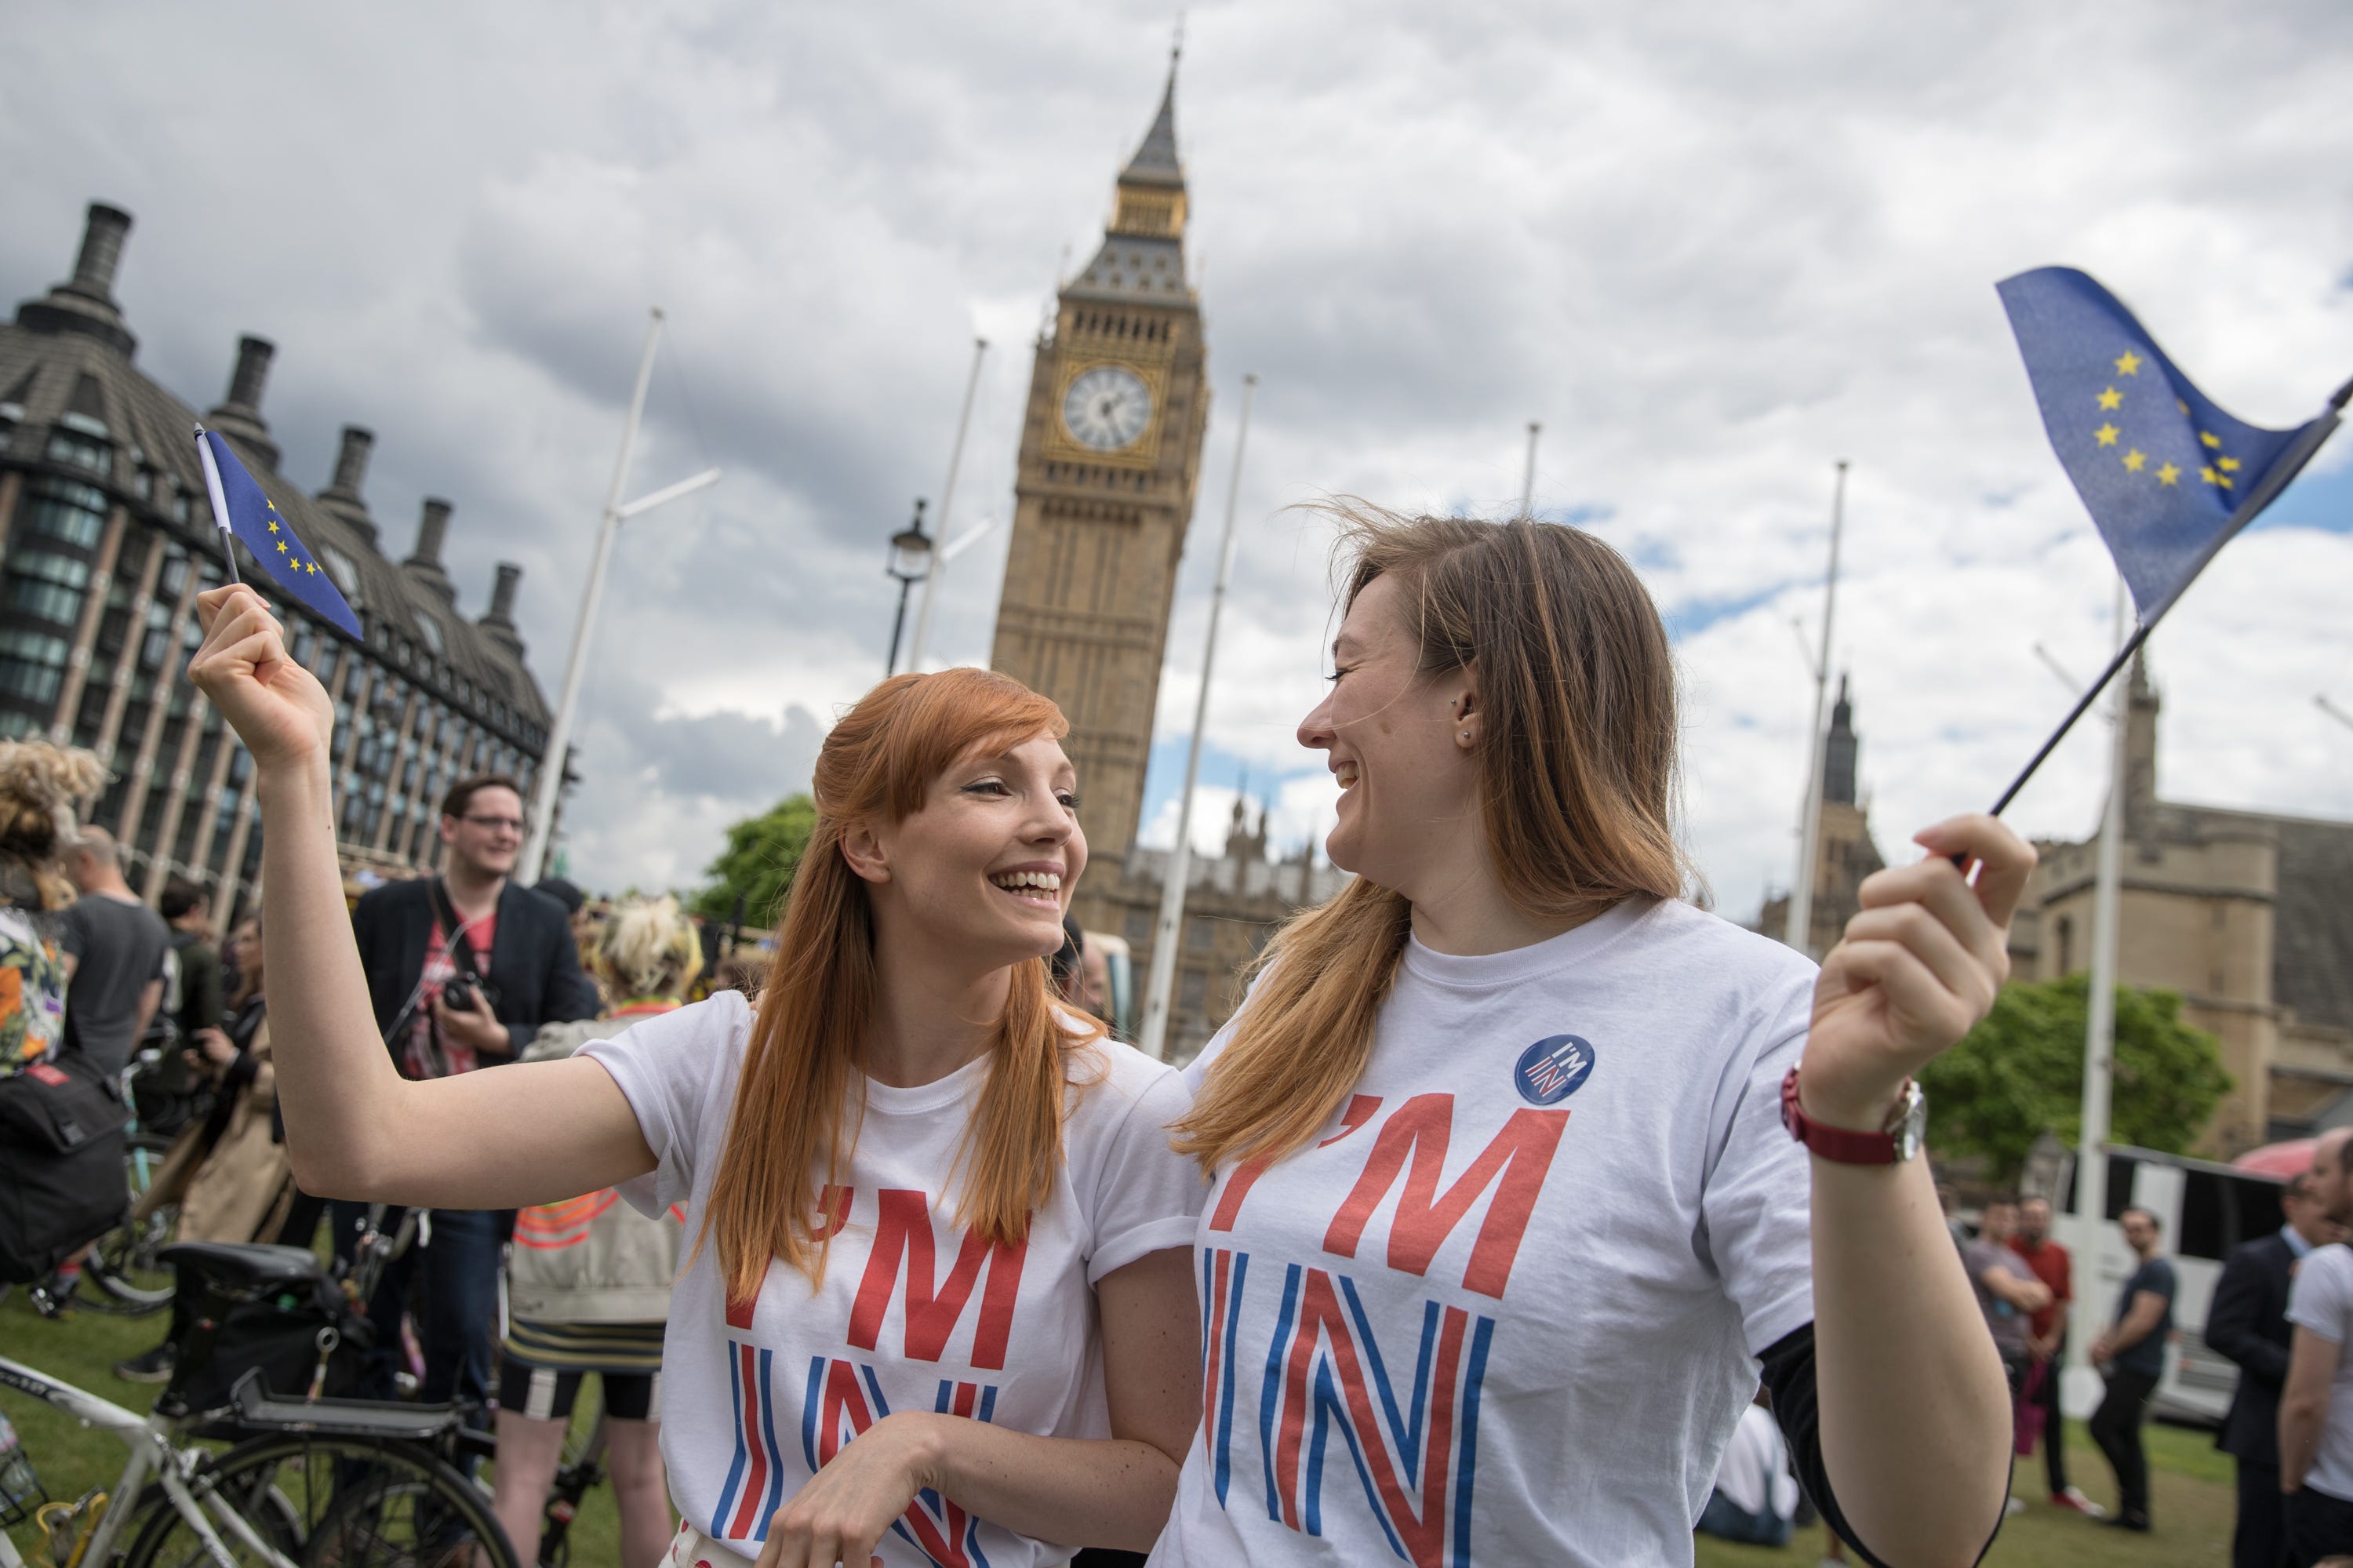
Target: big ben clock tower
1110, 450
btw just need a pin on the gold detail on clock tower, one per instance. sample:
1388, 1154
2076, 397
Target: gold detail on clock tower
1111, 450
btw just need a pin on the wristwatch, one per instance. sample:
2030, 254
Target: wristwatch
1898, 1140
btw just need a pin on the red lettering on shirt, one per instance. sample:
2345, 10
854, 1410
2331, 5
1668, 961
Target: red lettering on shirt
903, 1231
1513, 1163
1229, 1202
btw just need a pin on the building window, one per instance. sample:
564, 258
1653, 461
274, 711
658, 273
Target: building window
1193, 993
18, 725
1201, 935
339, 567
431, 630
2064, 929
74, 514
45, 584
78, 451
32, 665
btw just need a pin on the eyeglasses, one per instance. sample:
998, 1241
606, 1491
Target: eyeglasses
508, 825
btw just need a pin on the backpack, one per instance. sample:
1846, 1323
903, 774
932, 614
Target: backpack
62, 1153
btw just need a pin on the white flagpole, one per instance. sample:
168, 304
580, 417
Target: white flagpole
1163, 984
1798, 934
559, 734
2100, 1034
947, 500
1528, 474
219, 499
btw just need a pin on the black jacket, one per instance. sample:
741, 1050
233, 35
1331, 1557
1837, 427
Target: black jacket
532, 962
2247, 1323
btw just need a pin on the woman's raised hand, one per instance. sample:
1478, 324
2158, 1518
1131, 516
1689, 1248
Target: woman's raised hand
276, 708
1915, 970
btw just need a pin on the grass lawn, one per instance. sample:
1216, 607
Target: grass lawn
82, 1350
2194, 1504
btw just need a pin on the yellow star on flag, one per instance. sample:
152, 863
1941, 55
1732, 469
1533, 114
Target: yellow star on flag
2111, 398
2208, 438
2167, 474
282, 547
2129, 365
2209, 476
2180, 405
2226, 464
2135, 459
2106, 435
310, 567
273, 527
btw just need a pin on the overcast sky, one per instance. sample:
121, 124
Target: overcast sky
1712, 249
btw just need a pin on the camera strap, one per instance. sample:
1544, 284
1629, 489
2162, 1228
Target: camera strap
460, 946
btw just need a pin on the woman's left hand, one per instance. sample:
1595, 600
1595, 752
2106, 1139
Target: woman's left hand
840, 1516
217, 1049
1915, 970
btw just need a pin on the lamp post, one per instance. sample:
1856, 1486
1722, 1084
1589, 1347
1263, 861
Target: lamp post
911, 563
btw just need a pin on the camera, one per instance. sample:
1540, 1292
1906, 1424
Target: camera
462, 995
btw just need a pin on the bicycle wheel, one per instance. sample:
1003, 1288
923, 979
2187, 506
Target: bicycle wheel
334, 1502
128, 1282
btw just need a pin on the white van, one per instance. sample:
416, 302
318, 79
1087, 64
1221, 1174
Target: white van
2206, 1209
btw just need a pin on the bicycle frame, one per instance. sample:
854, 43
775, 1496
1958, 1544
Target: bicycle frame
151, 1455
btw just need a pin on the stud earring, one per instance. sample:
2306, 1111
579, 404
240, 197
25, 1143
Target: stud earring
1466, 734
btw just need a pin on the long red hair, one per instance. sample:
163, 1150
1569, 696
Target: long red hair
793, 1130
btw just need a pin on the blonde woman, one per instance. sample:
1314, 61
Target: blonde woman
935, 1303
1507, 1224
588, 1279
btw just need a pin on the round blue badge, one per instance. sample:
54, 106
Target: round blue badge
1552, 1069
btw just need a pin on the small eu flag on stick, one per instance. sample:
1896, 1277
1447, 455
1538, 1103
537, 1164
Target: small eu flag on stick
2167, 475
241, 509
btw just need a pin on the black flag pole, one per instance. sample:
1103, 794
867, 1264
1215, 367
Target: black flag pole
2275, 479
219, 505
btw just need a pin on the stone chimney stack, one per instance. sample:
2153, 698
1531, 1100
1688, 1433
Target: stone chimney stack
239, 414
424, 561
252, 372
84, 303
351, 459
499, 621
432, 532
102, 251
343, 496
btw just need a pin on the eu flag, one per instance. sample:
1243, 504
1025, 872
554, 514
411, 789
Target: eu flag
2167, 475
239, 507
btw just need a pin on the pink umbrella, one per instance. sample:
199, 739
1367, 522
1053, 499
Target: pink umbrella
2293, 1158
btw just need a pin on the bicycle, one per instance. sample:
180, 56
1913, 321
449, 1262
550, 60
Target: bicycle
327, 1481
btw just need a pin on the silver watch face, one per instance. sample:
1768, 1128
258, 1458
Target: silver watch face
1909, 1125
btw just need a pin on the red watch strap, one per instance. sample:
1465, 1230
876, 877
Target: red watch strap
1833, 1143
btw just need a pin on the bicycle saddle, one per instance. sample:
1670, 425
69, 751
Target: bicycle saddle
237, 1265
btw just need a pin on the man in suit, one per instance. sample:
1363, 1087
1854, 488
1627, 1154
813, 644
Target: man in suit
462, 969
2247, 1323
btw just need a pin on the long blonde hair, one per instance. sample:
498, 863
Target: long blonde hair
787, 1141
1577, 771
38, 786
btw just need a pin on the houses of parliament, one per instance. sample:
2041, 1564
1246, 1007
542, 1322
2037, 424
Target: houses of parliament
1104, 493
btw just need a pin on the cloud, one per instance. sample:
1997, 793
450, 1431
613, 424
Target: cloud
1710, 250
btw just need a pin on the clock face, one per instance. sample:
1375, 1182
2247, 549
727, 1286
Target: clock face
1106, 407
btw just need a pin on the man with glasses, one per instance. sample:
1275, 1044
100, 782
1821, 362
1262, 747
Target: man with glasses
462, 969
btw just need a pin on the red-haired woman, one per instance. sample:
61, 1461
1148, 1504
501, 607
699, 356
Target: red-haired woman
937, 1307
1507, 1225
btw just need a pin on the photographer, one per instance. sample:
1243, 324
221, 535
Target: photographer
462, 969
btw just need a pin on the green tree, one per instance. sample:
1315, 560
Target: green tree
758, 862
2021, 1071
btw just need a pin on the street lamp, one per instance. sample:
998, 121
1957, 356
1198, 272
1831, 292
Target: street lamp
911, 563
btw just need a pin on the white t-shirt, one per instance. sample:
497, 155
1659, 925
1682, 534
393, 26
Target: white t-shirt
913, 1313
2321, 1299
1507, 1310
1755, 1474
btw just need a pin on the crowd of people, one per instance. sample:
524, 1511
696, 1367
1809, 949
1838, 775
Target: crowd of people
922, 1266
